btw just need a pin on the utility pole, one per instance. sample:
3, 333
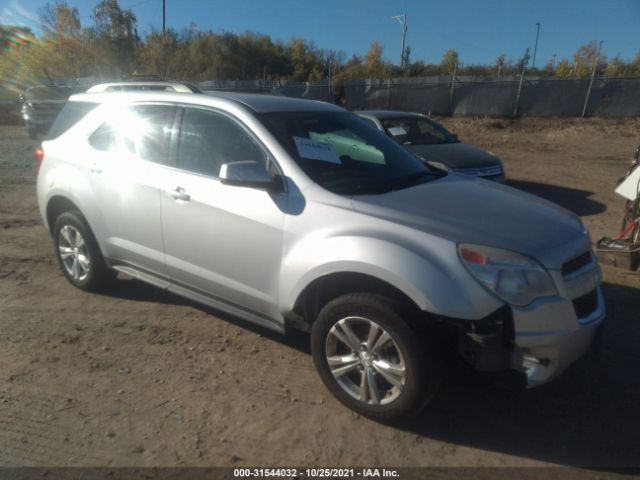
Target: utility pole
453, 85
593, 74
403, 21
164, 15
535, 48
389, 88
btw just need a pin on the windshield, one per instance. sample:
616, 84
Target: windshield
344, 154
417, 131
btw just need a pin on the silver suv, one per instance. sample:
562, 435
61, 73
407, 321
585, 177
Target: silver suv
288, 212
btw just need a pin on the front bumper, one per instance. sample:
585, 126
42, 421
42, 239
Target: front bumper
497, 178
39, 121
542, 339
558, 339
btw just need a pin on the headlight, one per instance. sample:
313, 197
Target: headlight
515, 278
27, 110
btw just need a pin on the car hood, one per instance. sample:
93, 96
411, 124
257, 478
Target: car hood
481, 212
454, 155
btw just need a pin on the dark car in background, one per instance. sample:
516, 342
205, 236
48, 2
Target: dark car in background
40, 107
435, 144
9, 104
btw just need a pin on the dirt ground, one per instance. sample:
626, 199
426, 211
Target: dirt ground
140, 377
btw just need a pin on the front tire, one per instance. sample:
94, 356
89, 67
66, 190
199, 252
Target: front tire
78, 253
371, 360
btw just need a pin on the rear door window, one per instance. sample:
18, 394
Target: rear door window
141, 130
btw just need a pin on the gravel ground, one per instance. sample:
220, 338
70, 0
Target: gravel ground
139, 377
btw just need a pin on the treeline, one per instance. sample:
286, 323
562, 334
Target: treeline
111, 47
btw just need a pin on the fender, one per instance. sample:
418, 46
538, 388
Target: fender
424, 277
68, 181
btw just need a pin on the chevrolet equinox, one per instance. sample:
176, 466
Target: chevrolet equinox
295, 213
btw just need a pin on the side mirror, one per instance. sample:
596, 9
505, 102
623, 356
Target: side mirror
248, 173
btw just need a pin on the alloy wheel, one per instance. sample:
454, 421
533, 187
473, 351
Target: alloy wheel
73, 253
365, 360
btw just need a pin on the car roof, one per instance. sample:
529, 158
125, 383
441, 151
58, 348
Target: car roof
259, 103
384, 114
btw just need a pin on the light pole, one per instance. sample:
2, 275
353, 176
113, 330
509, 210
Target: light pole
593, 75
403, 21
535, 48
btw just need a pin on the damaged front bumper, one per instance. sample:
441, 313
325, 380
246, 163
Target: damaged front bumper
542, 354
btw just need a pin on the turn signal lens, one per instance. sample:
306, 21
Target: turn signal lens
472, 256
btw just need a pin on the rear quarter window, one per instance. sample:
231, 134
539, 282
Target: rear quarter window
71, 114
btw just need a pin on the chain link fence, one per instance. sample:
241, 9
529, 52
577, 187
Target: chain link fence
320, 90
457, 96
499, 97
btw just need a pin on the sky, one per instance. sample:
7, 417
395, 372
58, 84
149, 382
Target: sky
479, 30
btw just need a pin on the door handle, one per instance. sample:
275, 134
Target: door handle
179, 194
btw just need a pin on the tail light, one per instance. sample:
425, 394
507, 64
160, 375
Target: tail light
39, 154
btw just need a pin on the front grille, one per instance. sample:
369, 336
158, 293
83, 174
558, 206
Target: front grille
586, 304
488, 171
576, 263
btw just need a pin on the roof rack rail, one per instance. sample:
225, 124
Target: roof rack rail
156, 86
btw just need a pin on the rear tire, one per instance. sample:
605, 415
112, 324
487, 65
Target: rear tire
78, 253
370, 359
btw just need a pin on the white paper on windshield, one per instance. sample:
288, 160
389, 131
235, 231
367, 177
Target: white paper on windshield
397, 131
629, 188
313, 150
